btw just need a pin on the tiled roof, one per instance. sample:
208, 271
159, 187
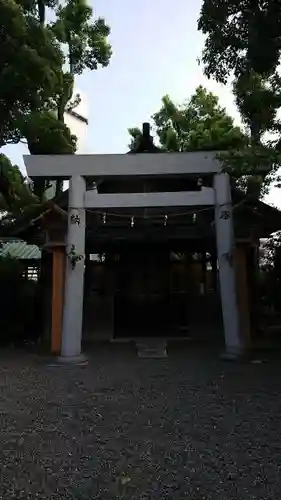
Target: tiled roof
19, 250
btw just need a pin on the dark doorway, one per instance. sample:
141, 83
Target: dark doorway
142, 293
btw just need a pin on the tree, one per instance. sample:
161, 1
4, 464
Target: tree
243, 39
200, 124
15, 193
30, 61
258, 100
85, 46
38, 8
35, 88
33, 80
46, 134
86, 42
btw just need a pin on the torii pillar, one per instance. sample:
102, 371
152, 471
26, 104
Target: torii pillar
225, 250
74, 274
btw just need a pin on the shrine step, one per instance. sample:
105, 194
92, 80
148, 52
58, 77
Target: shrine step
152, 348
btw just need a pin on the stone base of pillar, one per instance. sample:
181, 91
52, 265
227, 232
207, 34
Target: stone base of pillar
233, 354
72, 360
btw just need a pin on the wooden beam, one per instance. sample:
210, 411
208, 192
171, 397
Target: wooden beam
57, 298
142, 233
149, 200
242, 287
121, 165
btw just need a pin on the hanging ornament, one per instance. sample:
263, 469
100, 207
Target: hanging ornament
104, 218
165, 220
132, 221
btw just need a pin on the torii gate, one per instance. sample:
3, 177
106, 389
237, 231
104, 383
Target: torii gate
76, 168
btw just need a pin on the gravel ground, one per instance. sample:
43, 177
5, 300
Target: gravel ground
189, 426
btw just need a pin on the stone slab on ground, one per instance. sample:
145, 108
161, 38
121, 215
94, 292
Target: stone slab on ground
151, 348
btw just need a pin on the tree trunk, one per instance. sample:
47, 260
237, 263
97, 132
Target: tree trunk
255, 181
41, 11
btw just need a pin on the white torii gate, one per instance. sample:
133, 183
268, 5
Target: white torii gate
76, 168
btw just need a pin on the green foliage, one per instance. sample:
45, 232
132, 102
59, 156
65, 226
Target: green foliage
240, 37
46, 134
33, 79
135, 134
15, 193
37, 8
241, 163
88, 47
258, 100
200, 124
243, 39
35, 89
31, 62
65, 94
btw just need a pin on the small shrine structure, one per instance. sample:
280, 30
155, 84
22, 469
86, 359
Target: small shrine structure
141, 242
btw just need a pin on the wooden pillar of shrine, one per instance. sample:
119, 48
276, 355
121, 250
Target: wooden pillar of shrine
58, 274
55, 222
242, 293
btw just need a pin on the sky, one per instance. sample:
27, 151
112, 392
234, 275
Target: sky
155, 50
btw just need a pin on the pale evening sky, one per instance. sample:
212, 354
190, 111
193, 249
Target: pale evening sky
155, 49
